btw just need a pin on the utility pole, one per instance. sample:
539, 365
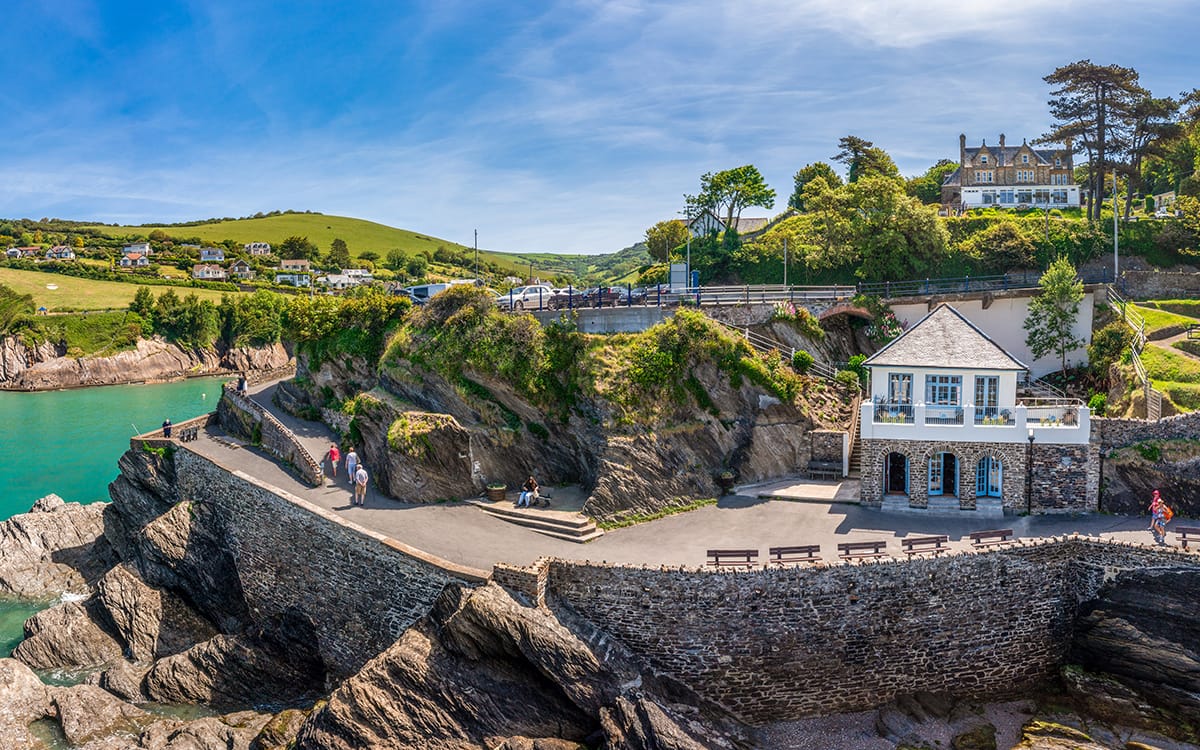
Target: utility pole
785, 263
1115, 261
477, 255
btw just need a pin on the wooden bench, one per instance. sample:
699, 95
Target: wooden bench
988, 538
825, 469
788, 555
851, 550
733, 558
919, 545
1188, 533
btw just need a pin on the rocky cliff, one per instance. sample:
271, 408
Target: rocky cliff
45, 367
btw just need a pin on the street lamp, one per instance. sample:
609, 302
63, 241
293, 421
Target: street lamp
1029, 476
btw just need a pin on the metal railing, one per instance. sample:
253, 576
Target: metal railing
888, 413
765, 345
935, 414
1137, 324
964, 284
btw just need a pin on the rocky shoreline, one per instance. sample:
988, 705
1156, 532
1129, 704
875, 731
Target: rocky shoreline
47, 367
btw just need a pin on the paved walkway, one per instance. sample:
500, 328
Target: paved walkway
464, 534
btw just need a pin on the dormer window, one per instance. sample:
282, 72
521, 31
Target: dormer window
1057, 162
983, 159
1024, 158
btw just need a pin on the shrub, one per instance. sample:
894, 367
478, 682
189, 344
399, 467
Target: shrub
1149, 451
801, 361
847, 378
1107, 346
1098, 404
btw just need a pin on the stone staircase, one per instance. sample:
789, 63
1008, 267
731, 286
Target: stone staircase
855, 469
565, 525
945, 506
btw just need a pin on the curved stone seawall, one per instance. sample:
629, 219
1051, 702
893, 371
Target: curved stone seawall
785, 643
300, 566
242, 416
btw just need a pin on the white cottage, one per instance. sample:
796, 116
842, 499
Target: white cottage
953, 423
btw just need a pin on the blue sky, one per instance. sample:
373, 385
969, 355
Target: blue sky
566, 127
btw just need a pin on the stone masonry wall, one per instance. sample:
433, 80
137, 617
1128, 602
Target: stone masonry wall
1160, 284
356, 590
1066, 478
828, 445
784, 643
1012, 457
241, 415
1119, 433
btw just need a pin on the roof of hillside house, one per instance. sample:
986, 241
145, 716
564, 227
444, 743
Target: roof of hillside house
134, 256
744, 225
944, 338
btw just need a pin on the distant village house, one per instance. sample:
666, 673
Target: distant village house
293, 279
295, 265
1010, 177
208, 272
707, 223
212, 255
257, 248
134, 260
60, 252
140, 248
240, 269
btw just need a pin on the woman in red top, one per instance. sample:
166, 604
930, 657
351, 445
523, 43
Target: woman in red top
334, 457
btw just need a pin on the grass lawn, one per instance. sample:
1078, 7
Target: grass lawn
1166, 364
1159, 320
83, 294
1188, 307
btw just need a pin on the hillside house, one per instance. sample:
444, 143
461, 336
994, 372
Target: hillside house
707, 223
60, 252
257, 248
212, 255
240, 269
1010, 177
953, 425
337, 281
295, 265
32, 251
139, 248
293, 279
12, 252
134, 260
208, 272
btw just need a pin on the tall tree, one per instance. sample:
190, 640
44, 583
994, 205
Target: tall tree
664, 237
731, 190
1052, 314
297, 248
339, 253
1089, 105
807, 175
928, 187
863, 158
1151, 128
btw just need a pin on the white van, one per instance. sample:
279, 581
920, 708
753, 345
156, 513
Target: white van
422, 292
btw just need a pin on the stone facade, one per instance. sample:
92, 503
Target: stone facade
354, 590
1119, 433
1155, 284
1065, 478
781, 644
828, 445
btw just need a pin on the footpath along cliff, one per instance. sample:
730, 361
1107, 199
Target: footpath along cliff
47, 366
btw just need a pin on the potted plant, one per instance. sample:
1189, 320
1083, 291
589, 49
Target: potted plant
496, 491
725, 480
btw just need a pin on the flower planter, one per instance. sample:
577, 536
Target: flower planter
496, 493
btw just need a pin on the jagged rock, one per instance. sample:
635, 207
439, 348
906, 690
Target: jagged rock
47, 504
122, 679
280, 730
229, 732
642, 724
978, 737
527, 743
153, 623
58, 549
483, 666
1044, 735
23, 697
66, 636
87, 713
1144, 633
235, 671
45, 367
894, 725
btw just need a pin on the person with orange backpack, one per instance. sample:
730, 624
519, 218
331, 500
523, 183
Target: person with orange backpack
1160, 516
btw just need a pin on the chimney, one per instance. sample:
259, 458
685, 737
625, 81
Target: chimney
1002, 140
962, 150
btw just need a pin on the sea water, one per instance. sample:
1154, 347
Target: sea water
68, 443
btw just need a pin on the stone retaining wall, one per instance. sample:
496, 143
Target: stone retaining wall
240, 415
1160, 284
784, 643
1119, 433
302, 567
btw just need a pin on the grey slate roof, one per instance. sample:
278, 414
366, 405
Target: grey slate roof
944, 338
1008, 155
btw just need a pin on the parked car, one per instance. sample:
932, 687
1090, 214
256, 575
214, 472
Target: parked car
604, 296
1163, 213
534, 297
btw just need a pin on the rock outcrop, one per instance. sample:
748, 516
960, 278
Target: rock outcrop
56, 548
484, 670
46, 367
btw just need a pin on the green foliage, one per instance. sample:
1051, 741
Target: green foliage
297, 248
1149, 451
1163, 322
800, 318
356, 324
189, 322
664, 237
807, 175
1053, 312
538, 430
863, 159
409, 432
339, 254
856, 366
13, 307
928, 187
801, 361
848, 379
674, 508
1107, 346
1098, 404
1001, 248
1169, 365
727, 192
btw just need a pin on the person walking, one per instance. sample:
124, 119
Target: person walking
351, 463
360, 485
1160, 514
335, 457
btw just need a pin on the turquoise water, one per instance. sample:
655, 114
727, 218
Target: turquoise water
68, 442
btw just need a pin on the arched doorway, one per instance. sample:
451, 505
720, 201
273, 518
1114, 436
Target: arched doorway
943, 474
895, 474
989, 477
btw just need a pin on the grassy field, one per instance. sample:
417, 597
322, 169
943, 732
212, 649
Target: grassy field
1187, 307
83, 294
1159, 320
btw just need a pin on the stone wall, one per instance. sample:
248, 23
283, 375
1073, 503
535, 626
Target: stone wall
1159, 284
1118, 433
301, 567
240, 415
783, 643
1066, 478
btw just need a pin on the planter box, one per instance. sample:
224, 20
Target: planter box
496, 494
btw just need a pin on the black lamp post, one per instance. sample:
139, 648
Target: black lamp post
1029, 476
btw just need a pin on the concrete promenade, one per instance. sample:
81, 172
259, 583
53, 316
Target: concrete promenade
461, 533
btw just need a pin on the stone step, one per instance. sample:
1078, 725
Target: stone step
576, 529
561, 518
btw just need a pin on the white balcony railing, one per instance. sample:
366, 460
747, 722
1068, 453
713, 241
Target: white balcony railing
1046, 420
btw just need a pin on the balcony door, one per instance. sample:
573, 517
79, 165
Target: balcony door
987, 397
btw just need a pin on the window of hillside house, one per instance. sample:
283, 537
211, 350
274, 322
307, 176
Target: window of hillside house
1006, 196
943, 390
983, 159
1024, 158
984, 176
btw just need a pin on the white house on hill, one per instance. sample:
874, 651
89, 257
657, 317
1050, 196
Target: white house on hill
141, 248
953, 425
